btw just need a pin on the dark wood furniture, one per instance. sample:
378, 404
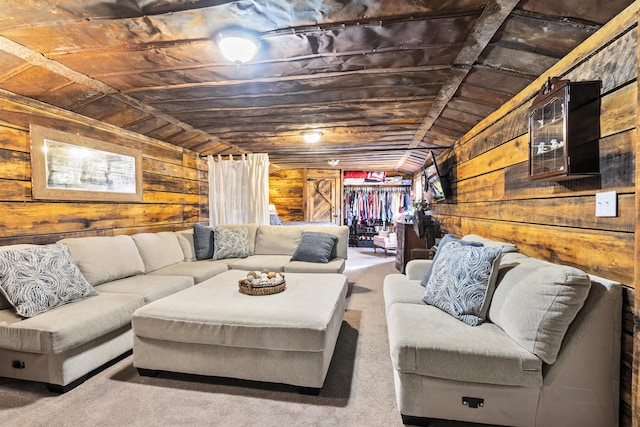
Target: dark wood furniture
407, 240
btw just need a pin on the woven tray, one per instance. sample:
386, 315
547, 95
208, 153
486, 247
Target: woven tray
261, 287
247, 288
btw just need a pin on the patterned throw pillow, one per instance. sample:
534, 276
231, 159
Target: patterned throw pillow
230, 243
38, 279
448, 238
463, 280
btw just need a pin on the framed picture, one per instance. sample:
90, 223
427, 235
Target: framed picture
65, 166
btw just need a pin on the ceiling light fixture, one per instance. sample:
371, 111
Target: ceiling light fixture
333, 162
237, 45
312, 137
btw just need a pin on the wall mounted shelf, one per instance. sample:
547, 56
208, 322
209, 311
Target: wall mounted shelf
564, 131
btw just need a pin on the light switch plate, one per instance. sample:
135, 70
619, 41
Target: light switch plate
606, 204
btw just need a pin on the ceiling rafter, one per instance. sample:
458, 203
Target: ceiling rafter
492, 17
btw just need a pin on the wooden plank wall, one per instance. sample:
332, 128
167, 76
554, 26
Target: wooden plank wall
174, 182
286, 192
493, 196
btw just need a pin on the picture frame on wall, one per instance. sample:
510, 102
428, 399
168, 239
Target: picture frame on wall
66, 166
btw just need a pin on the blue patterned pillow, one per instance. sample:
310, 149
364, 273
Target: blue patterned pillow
463, 280
230, 243
37, 279
448, 238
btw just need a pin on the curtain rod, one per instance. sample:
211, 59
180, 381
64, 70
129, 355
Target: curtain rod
337, 153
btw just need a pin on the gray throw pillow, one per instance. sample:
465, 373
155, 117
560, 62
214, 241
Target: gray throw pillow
448, 238
463, 281
230, 243
38, 279
315, 247
203, 241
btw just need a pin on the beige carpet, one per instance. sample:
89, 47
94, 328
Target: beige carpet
358, 390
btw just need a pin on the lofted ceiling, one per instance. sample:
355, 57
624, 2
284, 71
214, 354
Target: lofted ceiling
382, 80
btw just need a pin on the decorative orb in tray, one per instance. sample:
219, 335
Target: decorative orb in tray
264, 282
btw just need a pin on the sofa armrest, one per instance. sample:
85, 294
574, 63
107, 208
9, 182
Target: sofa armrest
416, 269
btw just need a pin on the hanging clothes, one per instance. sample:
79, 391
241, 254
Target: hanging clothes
371, 204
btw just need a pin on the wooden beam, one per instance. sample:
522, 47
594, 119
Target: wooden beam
278, 79
621, 23
38, 60
491, 19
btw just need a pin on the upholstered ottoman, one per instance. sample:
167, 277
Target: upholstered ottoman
212, 329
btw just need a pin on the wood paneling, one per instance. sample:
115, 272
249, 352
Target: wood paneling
174, 182
286, 192
494, 197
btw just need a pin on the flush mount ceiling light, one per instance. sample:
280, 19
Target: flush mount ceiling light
312, 137
333, 162
237, 45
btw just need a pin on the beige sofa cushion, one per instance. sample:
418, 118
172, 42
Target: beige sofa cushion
185, 238
425, 340
199, 270
68, 326
158, 250
259, 262
149, 286
277, 239
336, 265
536, 301
398, 288
504, 247
91, 255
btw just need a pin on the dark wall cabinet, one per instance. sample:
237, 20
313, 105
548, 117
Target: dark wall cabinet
564, 131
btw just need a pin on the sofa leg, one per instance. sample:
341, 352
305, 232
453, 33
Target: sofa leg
415, 421
309, 391
61, 389
147, 372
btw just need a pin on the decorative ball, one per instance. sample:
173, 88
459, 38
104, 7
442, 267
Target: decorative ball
264, 270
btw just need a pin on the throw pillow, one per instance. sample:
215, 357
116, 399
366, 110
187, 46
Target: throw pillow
230, 243
448, 238
38, 279
463, 281
315, 247
203, 241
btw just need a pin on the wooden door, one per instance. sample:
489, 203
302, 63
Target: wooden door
323, 199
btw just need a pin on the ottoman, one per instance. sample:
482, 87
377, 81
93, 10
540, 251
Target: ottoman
212, 329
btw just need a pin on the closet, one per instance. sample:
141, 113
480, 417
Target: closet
370, 208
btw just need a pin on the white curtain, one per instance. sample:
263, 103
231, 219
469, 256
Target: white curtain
239, 190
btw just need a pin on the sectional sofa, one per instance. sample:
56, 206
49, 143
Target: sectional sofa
544, 351
62, 345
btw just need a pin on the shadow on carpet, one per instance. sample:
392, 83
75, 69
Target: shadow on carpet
335, 392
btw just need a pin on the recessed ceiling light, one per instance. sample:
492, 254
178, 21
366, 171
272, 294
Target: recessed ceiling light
333, 162
237, 45
312, 137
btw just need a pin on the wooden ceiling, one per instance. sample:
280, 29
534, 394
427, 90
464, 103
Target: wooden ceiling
382, 80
